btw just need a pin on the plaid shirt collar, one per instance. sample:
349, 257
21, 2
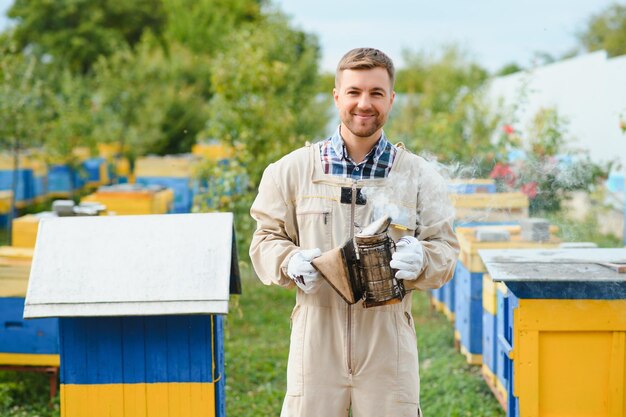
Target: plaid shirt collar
336, 141
377, 163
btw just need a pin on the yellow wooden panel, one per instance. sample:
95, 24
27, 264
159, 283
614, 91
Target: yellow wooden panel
212, 151
569, 357
27, 359
167, 166
5, 201
572, 315
490, 298
24, 233
138, 400
491, 201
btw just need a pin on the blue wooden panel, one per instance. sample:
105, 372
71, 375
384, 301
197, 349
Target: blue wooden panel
489, 341
59, 177
182, 187
38, 336
91, 167
469, 188
469, 308
449, 291
512, 400
25, 183
220, 372
201, 335
110, 350
563, 290
134, 349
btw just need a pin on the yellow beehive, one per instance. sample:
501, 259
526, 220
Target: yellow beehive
14, 270
134, 201
490, 207
5, 201
168, 166
212, 151
569, 357
24, 230
109, 150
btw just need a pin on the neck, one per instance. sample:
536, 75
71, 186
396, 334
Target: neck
356, 146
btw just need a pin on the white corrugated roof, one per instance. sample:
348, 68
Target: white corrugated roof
131, 265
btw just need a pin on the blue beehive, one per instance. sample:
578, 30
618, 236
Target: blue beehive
60, 179
141, 327
25, 184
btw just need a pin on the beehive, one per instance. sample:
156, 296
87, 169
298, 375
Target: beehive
140, 329
174, 172
489, 207
133, 200
22, 343
468, 279
471, 186
565, 330
24, 231
214, 151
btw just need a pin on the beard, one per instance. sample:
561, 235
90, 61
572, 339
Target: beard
364, 129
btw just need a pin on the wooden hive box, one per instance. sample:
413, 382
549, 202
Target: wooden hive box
489, 207
564, 336
140, 301
469, 309
133, 201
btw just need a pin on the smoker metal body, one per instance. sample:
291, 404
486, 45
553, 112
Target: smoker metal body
360, 270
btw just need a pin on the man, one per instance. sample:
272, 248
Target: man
344, 357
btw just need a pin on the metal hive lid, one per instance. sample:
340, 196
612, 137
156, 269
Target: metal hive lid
131, 265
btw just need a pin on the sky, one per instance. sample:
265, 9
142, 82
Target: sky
494, 32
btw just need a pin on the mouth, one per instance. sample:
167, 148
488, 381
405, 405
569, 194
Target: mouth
363, 116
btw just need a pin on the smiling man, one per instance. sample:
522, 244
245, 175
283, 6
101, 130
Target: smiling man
346, 358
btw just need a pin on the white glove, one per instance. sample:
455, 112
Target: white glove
302, 272
408, 258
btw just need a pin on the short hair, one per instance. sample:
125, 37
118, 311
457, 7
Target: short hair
365, 58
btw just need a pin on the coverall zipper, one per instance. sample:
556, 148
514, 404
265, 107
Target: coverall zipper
352, 216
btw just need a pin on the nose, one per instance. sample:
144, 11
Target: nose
364, 101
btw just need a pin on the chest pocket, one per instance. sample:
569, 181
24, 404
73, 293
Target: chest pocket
314, 225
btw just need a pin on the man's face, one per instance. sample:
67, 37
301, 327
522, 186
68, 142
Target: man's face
364, 99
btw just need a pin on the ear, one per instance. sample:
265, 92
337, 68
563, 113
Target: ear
336, 96
393, 97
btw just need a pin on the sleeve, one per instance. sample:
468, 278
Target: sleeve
435, 232
271, 246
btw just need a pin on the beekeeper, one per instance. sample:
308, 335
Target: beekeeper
345, 357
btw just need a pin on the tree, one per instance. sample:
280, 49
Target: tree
205, 26
21, 107
76, 32
71, 124
264, 105
265, 89
442, 110
606, 30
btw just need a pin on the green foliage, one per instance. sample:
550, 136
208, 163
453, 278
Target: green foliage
205, 26
264, 102
606, 30
25, 394
149, 100
508, 69
442, 111
77, 32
